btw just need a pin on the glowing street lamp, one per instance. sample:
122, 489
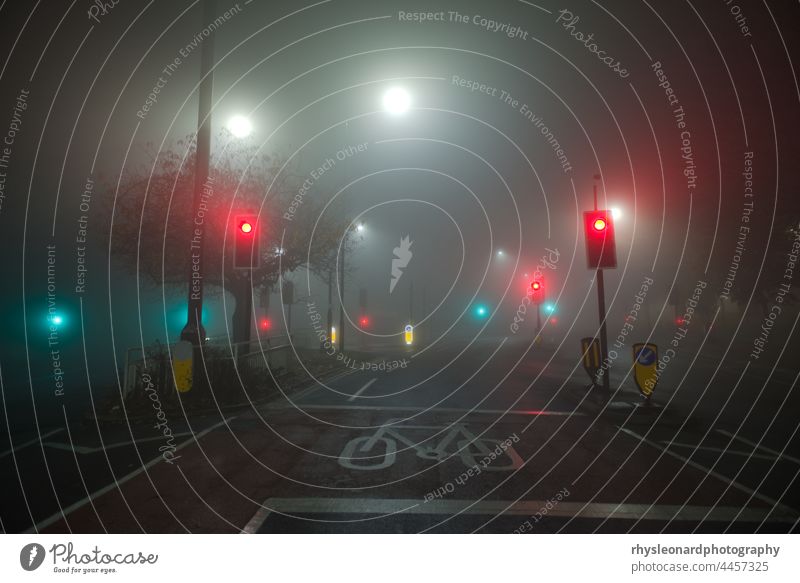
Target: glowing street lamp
396, 101
239, 126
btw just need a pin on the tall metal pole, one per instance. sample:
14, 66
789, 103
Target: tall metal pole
330, 300
340, 335
601, 307
194, 331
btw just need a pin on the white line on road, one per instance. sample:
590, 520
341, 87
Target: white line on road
31, 442
85, 449
367, 385
774, 503
117, 483
531, 412
761, 447
378, 506
691, 446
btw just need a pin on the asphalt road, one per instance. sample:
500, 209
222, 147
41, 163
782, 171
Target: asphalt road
491, 437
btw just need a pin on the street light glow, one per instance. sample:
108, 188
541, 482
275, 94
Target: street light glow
240, 126
396, 101
360, 227
616, 213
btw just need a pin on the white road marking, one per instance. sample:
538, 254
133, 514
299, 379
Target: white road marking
741, 487
29, 443
85, 449
748, 454
367, 385
761, 447
117, 483
383, 507
531, 412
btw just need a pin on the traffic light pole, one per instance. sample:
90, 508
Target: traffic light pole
340, 335
601, 306
193, 331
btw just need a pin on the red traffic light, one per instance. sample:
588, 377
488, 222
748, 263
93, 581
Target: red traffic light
601, 247
363, 321
246, 253
266, 324
537, 287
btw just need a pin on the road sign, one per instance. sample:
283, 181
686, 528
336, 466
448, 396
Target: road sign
409, 334
590, 350
182, 356
645, 363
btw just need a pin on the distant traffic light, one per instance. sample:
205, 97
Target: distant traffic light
266, 324
601, 247
481, 311
245, 243
408, 334
363, 321
537, 291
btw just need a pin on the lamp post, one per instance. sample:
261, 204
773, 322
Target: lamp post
193, 331
340, 340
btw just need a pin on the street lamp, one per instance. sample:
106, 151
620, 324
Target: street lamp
239, 126
359, 228
396, 101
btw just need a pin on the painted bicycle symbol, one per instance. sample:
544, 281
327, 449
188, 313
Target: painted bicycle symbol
379, 450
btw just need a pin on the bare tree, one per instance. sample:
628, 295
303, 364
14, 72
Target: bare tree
153, 219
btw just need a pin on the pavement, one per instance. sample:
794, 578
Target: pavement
496, 436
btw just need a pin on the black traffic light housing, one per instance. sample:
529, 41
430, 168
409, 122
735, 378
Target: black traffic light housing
245, 242
601, 246
537, 291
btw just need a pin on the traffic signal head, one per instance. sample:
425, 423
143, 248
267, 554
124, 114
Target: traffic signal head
537, 291
363, 321
245, 243
601, 247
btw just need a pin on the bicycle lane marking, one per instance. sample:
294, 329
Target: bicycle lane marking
390, 434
